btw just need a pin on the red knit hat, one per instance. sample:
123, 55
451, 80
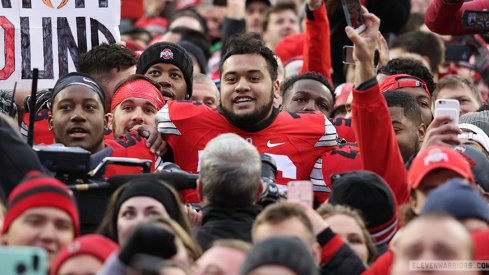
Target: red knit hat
38, 190
93, 244
437, 157
399, 81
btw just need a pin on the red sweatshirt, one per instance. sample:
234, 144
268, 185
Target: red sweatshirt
317, 48
446, 18
376, 138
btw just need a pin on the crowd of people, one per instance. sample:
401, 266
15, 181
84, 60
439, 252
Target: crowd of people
211, 108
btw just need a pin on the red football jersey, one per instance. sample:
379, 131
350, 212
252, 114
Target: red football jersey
42, 135
344, 129
343, 159
132, 145
294, 141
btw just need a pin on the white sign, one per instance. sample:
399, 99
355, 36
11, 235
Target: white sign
51, 35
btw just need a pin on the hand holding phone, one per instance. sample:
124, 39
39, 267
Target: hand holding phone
300, 192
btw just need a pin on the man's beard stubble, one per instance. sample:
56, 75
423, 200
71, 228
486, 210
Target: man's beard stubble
251, 119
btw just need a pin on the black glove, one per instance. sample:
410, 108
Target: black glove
149, 239
43, 101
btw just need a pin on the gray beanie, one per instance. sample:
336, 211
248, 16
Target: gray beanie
289, 252
479, 119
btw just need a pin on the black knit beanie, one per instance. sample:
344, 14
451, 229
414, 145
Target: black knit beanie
167, 52
368, 193
197, 53
149, 188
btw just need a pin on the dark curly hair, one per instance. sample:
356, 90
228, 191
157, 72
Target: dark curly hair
104, 57
287, 84
411, 67
250, 43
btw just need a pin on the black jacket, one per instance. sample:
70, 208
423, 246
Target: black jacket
226, 223
16, 158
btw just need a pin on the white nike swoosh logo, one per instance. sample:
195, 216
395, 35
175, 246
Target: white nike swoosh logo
88, 80
270, 145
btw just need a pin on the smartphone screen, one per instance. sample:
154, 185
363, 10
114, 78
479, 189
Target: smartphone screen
457, 52
475, 19
353, 14
300, 192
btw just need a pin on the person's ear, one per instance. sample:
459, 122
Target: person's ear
260, 191
415, 203
108, 120
421, 132
276, 89
200, 191
50, 123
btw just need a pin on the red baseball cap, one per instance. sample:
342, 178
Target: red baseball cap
437, 157
342, 92
398, 81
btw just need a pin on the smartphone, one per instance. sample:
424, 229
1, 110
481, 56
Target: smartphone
457, 52
354, 14
449, 107
348, 55
300, 192
23, 260
475, 19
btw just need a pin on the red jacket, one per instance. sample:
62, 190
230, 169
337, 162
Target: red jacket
376, 138
445, 18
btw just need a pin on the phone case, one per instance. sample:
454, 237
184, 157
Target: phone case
22, 260
300, 192
353, 14
454, 113
447, 104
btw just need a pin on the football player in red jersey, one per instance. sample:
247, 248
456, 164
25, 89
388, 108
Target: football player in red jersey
311, 92
248, 86
78, 120
171, 66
